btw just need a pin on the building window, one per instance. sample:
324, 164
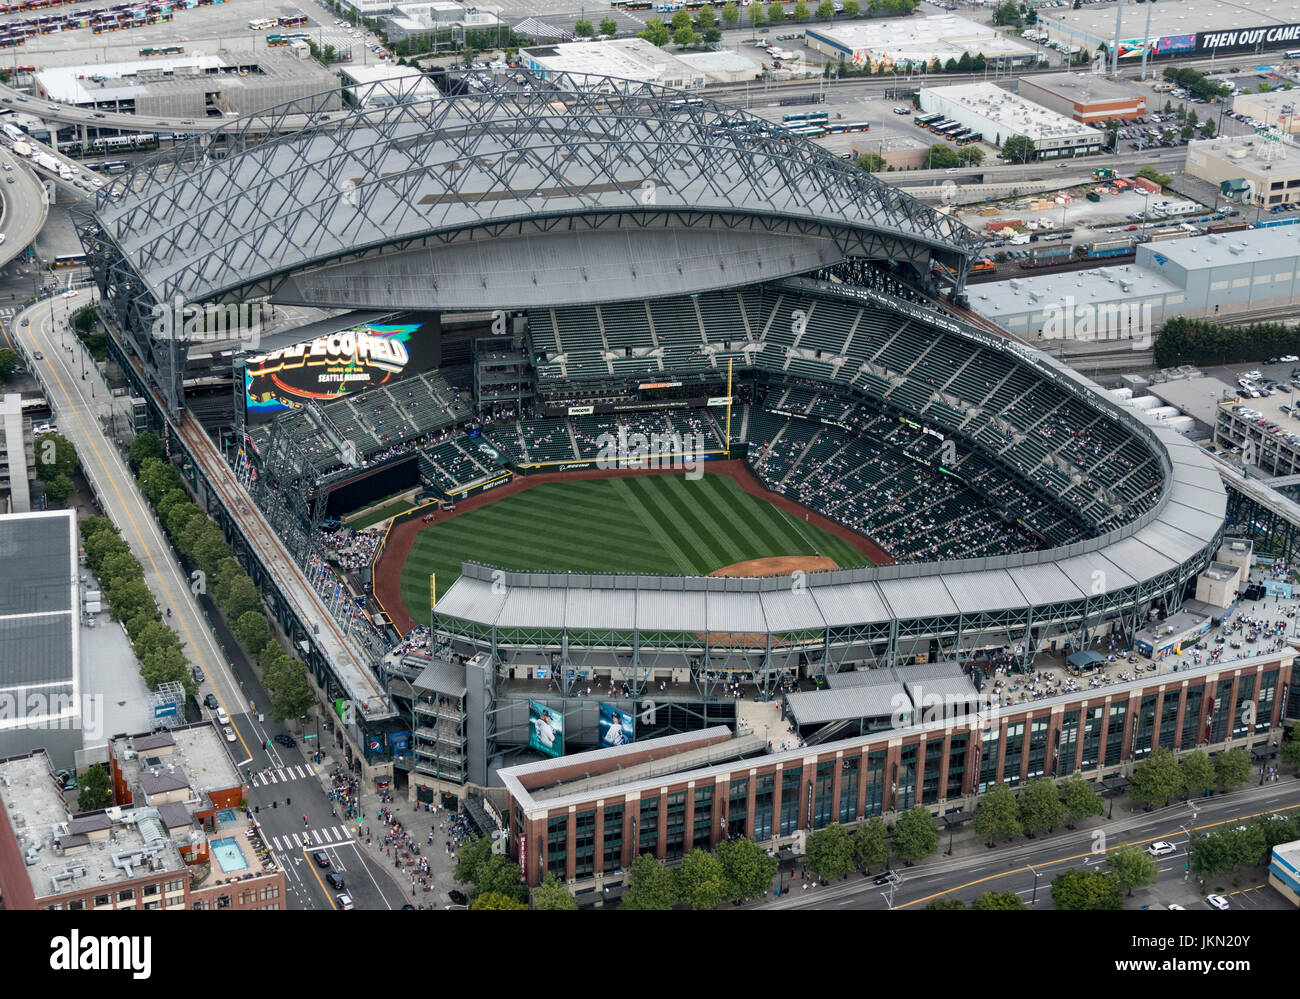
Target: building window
1092, 720
103, 900
584, 844
764, 791
1169, 720
989, 757
174, 886
1015, 751
875, 780
790, 781
1146, 726
148, 890
153, 905
703, 818
1115, 734
648, 827
557, 846
1241, 715
849, 767
933, 764
612, 852
1267, 694
76, 905
1069, 740
1219, 716
223, 902
1193, 699
823, 794
676, 830
126, 895
737, 807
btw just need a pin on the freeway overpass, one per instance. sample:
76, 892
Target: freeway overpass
25, 207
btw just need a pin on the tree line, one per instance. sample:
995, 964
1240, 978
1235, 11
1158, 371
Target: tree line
1198, 341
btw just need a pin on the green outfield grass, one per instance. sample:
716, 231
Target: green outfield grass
654, 523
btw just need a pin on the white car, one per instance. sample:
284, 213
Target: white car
222, 717
69, 294
345, 900
1161, 849
1288, 359
1180, 908
1252, 375
229, 733
1216, 902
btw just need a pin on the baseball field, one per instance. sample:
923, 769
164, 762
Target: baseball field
654, 524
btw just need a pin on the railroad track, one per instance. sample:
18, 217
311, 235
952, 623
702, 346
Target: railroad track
1010, 269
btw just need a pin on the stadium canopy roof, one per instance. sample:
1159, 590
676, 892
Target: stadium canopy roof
560, 195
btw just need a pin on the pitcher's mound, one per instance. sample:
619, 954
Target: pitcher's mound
781, 565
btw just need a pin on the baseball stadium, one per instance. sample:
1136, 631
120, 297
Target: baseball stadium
611, 387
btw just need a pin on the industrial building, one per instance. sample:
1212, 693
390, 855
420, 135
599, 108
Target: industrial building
1085, 97
916, 42
589, 63
1277, 109
1250, 170
1284, 871
1198, 277
41, 692
413, 19
381, 85
196, 86
725, 66
999, 114
585, 818
901, 152
1201, 27
16, 454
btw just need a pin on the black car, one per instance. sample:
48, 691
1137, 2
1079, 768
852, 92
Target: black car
884, 878
335, 879
197, 673
458, 897
211, 702
322, 858
286, 740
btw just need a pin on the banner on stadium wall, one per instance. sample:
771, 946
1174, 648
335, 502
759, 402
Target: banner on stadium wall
1246, 38
658, 385
1170, 44
480, 487
545, 729
581, 410
617, 728
719, 400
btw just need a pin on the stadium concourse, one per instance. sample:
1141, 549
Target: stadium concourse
622, 263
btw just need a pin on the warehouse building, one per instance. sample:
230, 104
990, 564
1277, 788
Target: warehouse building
1248, 169
415, 19
1277, 109
1200, 27
17, 457
725, 66
590, 63
999, 114
381, 85
901, 152
1085, 97
916, 42
194, 86
1211, 276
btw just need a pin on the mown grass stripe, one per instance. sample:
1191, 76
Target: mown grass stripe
639, 510
669, 511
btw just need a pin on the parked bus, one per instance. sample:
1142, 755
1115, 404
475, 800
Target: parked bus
811, 131
849, 126
968, 139
262, 24
70, 260
926, 120
293, 19
1291, 54
806, 117
110, 166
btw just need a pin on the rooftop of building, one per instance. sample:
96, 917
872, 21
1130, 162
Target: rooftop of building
1083, 88
1175, 624
925, 37
94, 851
722, 61
624, 58
1222, 249
39, 606
1221, 573
1010, 110
1198, 397
1098, 286
1183, 18
1251, 152
192, 756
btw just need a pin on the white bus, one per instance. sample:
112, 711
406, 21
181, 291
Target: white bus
263, 24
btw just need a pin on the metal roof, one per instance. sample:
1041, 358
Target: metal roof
39, 602
816, 707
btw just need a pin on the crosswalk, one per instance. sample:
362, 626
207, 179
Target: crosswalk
283, 775
331, 836
7, 314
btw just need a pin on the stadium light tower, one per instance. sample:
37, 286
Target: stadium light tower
1146, 39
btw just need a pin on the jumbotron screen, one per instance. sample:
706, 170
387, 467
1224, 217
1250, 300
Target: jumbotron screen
338, 364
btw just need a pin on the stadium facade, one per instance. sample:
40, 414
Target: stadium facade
623, 255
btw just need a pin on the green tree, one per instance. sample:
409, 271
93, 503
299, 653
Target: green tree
684, 37
682, 19
852, 8
756, 15
801, 11
583, 28
1232, 768
470, 856
992, 900
1151, 173
748, 867
1019, 149
1079, 799
210, 548
55, 456
242, 596
826, 9
656, 32
970, 155
493, 900
950, 66
252, 631
775, 12
1086, 890
501, 876
1131, 866
650, 885
58, 489
1210, 855
228, 570
706, 19
608, 27
165, 664
292, 695
730, 14
1156, 779
127, 598
1197, 773
1040, 806
1290, 749
916, 834
941, 156
1007, 13
829, 852
943, 903
550, 894
94, 789
995, 815
146, 446
701, 881
870, 843
8, 362
1208, 129
872, 162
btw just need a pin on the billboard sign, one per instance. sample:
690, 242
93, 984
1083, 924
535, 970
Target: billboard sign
1171, 44
545, 729
1247, 39
617, 728
331, 366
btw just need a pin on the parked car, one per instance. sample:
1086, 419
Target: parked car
229, 733
210, 702
345, 901
222, 717
286, 740
1216, 902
